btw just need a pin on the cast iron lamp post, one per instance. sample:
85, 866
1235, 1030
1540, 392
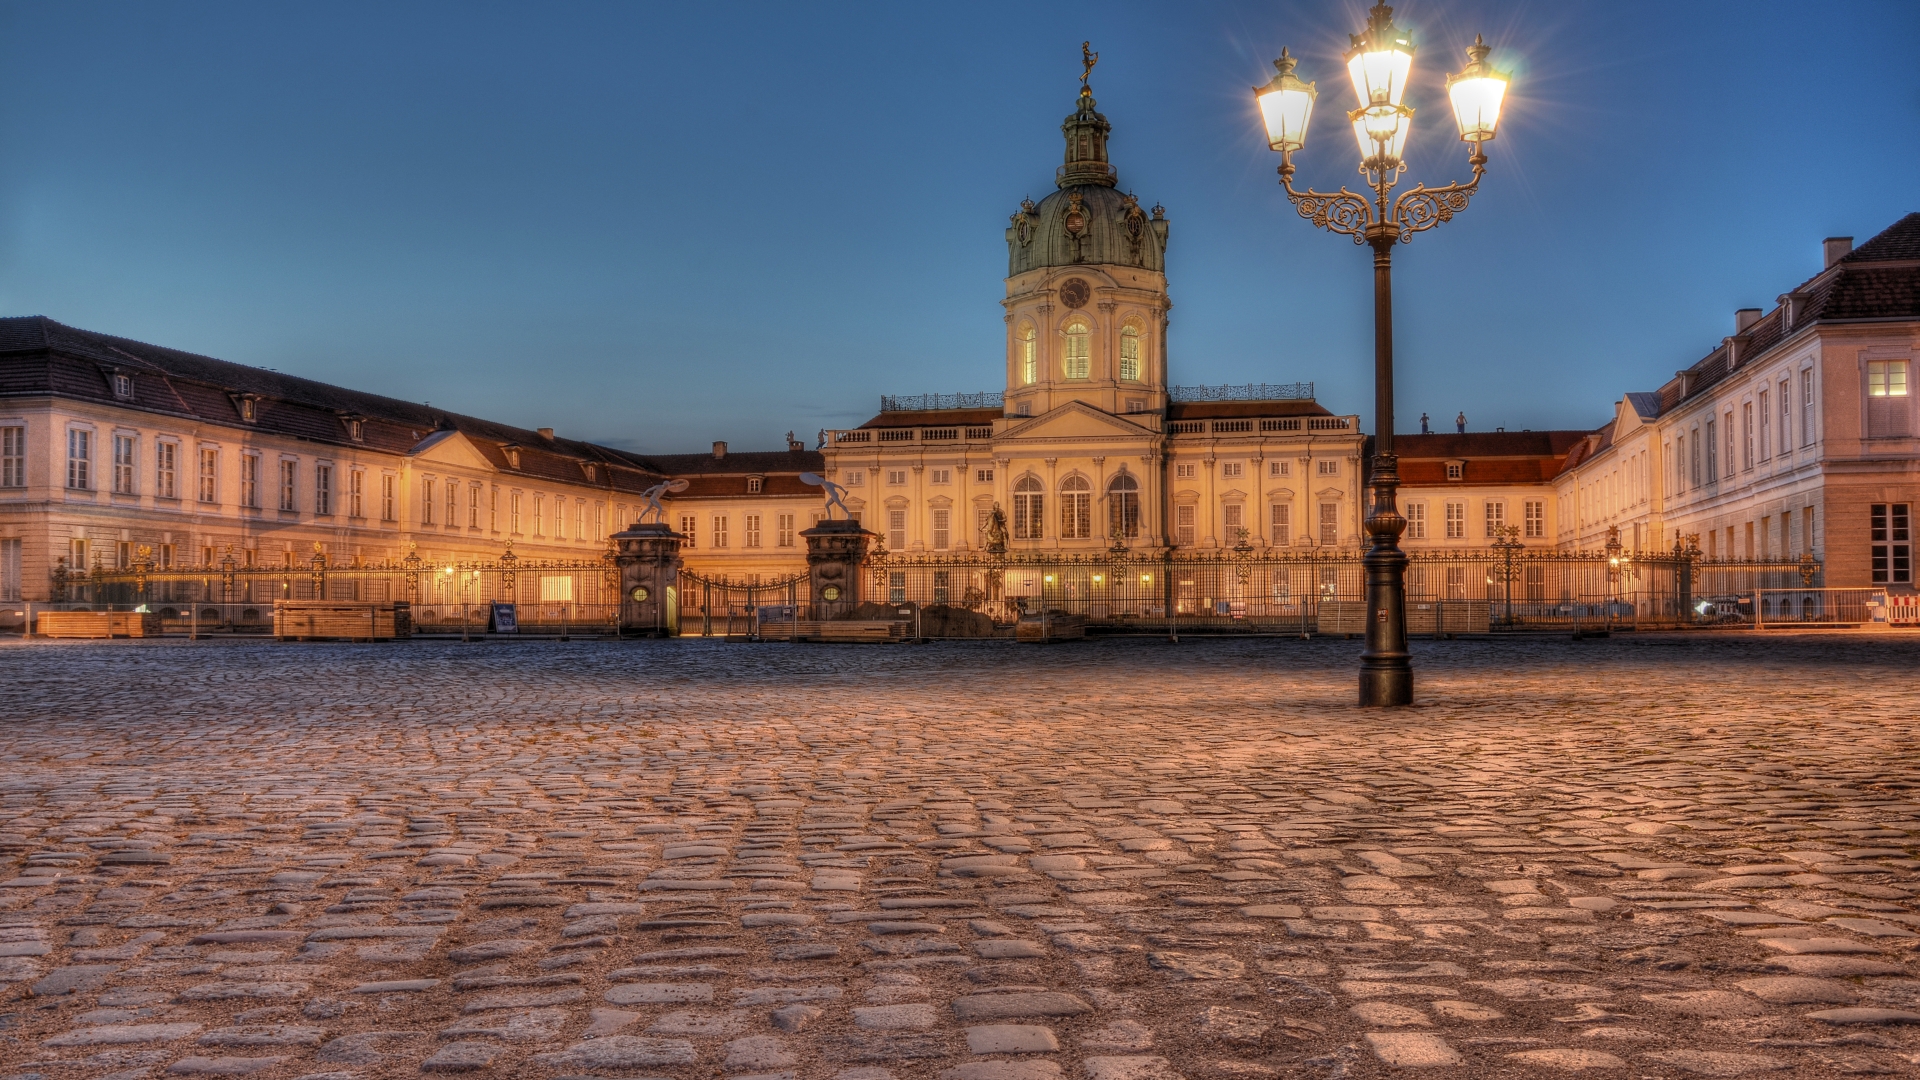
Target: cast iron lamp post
1379, 63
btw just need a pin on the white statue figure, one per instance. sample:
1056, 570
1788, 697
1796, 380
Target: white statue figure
833, 490
652, 495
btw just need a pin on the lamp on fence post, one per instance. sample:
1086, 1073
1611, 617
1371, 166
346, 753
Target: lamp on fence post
1379, 65
1613, 571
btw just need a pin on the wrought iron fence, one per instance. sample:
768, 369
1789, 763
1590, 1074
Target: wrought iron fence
233, 597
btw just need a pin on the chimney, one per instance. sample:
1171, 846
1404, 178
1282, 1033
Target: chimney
545, 432
719, 449
1835, 248
795, 445
1744, 318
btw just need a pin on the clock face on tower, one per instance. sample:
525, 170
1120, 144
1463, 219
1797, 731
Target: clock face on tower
1074, 293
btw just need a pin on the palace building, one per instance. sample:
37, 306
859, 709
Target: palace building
1795, 436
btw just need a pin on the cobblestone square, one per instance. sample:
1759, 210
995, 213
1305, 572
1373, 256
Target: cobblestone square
1114, 860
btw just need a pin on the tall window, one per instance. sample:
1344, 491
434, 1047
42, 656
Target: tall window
1416, 521
1496, 517
356, 494
1766, 427
689, 526
784, 531
1729, 442
453, 502
1887, 401
1693, 455
1806, 407
1232, 520
942, 529
389, 511
539, 514
1183, 516
165, 466
289, 473
1786, 417
79, 459
719, 530
1130, 353
1280, 523
897, 529
123, 464
1123, 506
1713, 467
1029, 508
473, 506
250, 480
426, 501
1330, 523
1029, 355
1456, 520
1892, 539
1076, 508
323, 490
1077, 363
750, 531
1746, 435
13, 457
1536, 516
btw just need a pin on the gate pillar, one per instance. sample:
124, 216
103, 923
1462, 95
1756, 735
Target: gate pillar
836, 551
648, 555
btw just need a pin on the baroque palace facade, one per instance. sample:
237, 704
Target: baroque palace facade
1795, 436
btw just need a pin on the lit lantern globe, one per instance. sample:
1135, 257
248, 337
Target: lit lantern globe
1382, 134
1380, 61
1477, 94
1286, 104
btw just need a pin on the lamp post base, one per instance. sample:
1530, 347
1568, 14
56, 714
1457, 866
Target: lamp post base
1386, 667
1387, 685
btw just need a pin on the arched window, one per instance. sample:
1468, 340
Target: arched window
1029, 355
1077, 361
1130, 353
1029, 508
1076, 508
1123, 506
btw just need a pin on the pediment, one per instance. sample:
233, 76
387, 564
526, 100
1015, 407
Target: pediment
1331, 493
1233, 493
1074, 420
1280, 494
450, 448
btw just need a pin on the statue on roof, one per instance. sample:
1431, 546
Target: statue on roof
653, 494
833, 492
1089, 58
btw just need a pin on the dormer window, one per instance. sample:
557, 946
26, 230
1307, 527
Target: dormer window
247, 405
355, 425
753, 485
122, 386
1456, 470
513, 456
589, 468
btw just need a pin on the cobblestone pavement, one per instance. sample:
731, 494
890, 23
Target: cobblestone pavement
1099, 861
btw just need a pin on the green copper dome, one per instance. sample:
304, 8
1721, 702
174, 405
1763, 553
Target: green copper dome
1088, 220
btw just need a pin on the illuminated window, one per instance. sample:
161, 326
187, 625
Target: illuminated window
1888, 405
1329, 523
1077, 362
1183, 527
1280, 524
1130, 353
1123, 506
942, 529
1029, 355
896, 529
1076, 508
1456, 520
1029, 508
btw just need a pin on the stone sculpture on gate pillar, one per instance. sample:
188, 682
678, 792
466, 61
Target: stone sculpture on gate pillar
836, 550
648, 557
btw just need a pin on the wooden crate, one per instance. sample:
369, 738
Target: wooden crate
833, 630
307, 620
1055, 628
97, 624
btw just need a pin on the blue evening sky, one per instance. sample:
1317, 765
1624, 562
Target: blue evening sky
655, 225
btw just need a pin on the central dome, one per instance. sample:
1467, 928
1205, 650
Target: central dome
1088, 220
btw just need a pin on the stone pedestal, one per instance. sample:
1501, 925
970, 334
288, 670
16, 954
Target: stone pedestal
648, 555
836, 553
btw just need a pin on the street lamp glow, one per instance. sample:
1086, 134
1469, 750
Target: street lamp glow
1380, 61
1477, 94
1382, 136
1286, 104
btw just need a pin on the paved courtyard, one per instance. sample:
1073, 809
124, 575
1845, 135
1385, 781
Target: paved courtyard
1099, 861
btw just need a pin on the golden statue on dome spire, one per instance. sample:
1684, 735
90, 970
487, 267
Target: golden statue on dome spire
1089, 58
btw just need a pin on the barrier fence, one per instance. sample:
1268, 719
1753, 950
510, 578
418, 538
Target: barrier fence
1240, 590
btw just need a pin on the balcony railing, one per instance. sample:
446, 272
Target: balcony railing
1299, 391
928, 402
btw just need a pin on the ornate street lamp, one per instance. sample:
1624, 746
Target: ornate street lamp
1379, 65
